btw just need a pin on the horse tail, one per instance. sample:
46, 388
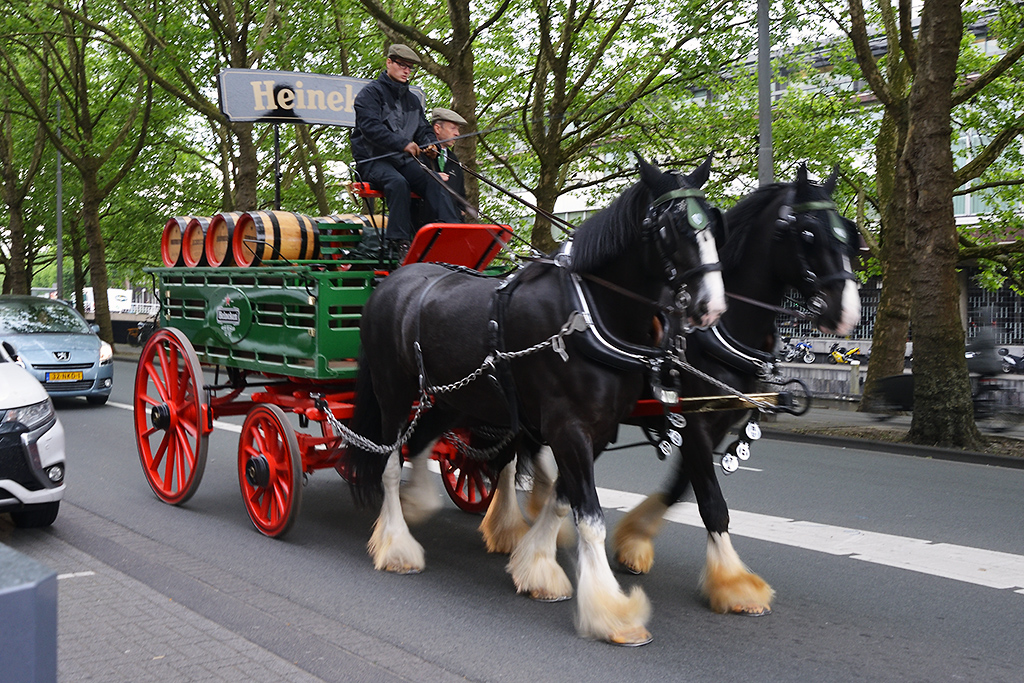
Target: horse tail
365, 469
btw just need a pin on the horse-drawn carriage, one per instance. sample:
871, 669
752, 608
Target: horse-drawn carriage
285, 339
281, 339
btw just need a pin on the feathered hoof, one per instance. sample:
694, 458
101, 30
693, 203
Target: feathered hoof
636, 555
542, 579
616, 618
399, 554
743, 593
503, 539
633, 538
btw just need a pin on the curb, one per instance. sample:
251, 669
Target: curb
934, 452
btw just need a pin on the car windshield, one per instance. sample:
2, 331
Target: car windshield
23, 317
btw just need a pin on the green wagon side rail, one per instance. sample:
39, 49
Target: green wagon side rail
295, 320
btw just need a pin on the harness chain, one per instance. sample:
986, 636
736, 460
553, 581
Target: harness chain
575, 323
760, 405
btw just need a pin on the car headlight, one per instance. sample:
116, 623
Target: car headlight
106, 353
31, 416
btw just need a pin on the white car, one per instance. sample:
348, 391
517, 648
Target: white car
31, 447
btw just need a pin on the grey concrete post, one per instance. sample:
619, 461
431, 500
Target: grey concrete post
28, 619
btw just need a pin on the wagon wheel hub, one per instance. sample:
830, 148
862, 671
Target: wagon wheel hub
160, 416
257, 471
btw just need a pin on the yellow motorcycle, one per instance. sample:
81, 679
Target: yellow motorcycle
837, 355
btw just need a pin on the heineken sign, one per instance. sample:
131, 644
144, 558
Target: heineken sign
289, 97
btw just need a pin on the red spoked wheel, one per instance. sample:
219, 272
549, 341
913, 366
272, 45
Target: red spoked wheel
169, 413
270, 470
468, 482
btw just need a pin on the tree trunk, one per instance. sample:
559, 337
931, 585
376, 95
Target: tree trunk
464, 102
18, 280
91, 199
892, 320
942, 394
247, 169
547, 193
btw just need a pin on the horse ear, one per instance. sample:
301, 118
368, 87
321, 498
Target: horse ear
801, 173
701, 174
830, 182
649, 173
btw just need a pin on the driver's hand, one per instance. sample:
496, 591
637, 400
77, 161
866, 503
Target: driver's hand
431, 151
413, 149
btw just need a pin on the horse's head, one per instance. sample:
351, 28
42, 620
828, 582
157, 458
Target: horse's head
683, 229
823, 242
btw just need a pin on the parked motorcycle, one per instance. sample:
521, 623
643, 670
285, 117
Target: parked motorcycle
837, 355
1011, 363
802, 350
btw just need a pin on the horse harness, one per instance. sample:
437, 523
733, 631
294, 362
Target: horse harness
659, 363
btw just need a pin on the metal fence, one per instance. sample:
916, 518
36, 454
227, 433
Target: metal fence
1005, 306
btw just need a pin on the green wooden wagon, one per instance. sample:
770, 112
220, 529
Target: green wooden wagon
268, 341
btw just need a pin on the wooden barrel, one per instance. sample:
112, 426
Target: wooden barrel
193, 240
274, 235
218, 238
170, 241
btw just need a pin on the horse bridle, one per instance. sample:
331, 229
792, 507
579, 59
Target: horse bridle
789, 220
662, 226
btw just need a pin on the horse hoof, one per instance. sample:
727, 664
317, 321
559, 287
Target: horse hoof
632, 638
751, 611
541, 596
403, 570
629, 569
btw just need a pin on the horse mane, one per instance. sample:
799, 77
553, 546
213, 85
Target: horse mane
606, 234
745, 217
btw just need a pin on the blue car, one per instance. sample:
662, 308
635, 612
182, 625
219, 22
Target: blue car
58, 347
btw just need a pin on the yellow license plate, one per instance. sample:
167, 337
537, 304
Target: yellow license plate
63, 376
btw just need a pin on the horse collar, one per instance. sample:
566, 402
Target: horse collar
717, 343
600, 345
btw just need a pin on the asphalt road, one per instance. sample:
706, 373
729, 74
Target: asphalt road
886, 567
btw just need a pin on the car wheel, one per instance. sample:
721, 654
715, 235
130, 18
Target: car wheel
97, 400
35, 516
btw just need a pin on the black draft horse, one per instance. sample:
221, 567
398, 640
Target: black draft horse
426, 325
782, 235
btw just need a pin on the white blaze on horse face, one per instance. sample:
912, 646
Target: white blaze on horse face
712, 286
851, 304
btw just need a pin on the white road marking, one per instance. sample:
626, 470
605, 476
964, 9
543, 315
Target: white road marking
227, 426
75, 575
977, 566
961, 563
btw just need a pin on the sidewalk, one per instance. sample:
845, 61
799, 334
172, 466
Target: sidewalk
838, 423
114, 629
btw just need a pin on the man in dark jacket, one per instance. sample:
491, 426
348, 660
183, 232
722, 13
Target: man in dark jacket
447, 125
390, 121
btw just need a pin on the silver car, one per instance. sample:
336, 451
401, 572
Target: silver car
31, 448
58, 347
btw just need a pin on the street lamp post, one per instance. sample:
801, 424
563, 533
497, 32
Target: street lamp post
765, 171
60, 216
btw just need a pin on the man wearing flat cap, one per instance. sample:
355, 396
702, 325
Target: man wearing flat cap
390, 124
447, 125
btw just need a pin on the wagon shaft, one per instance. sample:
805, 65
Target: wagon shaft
705, 404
